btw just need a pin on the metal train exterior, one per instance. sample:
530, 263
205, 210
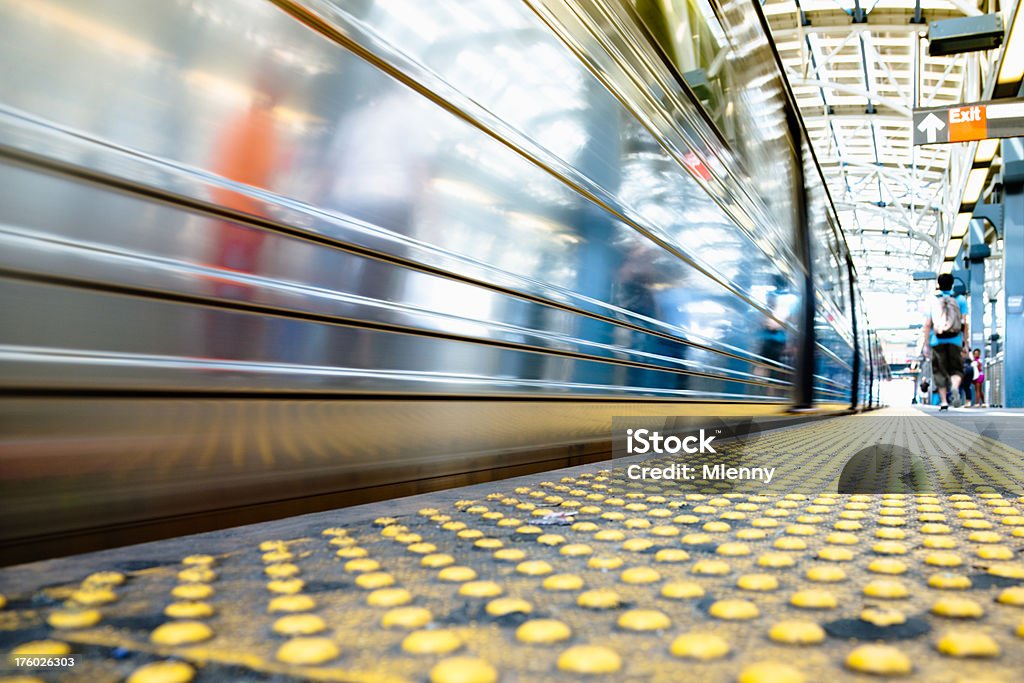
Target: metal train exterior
261, 257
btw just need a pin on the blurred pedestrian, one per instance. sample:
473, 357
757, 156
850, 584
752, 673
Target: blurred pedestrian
943, 334
979, 379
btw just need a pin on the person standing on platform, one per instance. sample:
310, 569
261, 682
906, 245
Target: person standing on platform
979, 379
943, 334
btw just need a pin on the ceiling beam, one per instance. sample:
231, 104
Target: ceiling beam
796, 80
884, 119
838, 30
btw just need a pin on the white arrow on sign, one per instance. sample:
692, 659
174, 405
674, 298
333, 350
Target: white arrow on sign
930, 126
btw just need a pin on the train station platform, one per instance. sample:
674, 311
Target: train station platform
588, 574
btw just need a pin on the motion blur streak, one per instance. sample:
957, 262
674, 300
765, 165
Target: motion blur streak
226, 226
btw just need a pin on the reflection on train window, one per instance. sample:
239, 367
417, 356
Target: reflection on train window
689, 33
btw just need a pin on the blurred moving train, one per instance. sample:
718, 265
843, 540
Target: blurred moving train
268, 257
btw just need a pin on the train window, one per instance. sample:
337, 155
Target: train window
728, 65
691, 36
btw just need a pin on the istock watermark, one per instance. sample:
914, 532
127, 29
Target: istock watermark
643, 441
810, 455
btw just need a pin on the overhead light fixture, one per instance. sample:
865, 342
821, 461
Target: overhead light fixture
986, 151
960, 226
965, 34
1012, 69
953, 248
975, 184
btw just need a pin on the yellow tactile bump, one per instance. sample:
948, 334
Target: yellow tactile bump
104, 579
590, 659
1013, 595
813, 598
480, 589
275, 556
887, 565
576, 549
286, 586
504, 606
197, 574
534, 568
771, 672
181, 632
73, 618
97, 595
790, 543
463, 670
796, 632
163, 672
601, 598
967, 644
757, 582
734, 609
946, 581
543, 631
995, 552
776, 560
711, 567
826, 574
299, 625
42, 648
189, 610
605, 563
437, 560
1007, 571
943, 559
374, 580
266, 546
192, 591
308, 651
438, 642
509, 555
882, 660
357, 566
678, 590
703, 646
640, 575
671, 555
637, 545
644, 620
563, 582
886, 589
958, 608
406, 617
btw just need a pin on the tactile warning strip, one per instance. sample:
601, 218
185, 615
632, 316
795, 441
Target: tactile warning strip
588, 576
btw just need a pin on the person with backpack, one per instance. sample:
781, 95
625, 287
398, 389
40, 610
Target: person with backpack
943, 335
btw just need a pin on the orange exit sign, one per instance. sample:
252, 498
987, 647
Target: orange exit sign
967, 123
991, 119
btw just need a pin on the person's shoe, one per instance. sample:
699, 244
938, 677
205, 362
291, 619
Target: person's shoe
943, 407
955, 400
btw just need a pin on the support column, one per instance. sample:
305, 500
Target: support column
977, 286
1013, 271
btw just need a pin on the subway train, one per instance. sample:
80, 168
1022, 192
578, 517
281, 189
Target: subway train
264, 257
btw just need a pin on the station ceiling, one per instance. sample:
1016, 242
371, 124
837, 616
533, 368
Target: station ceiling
858, 69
